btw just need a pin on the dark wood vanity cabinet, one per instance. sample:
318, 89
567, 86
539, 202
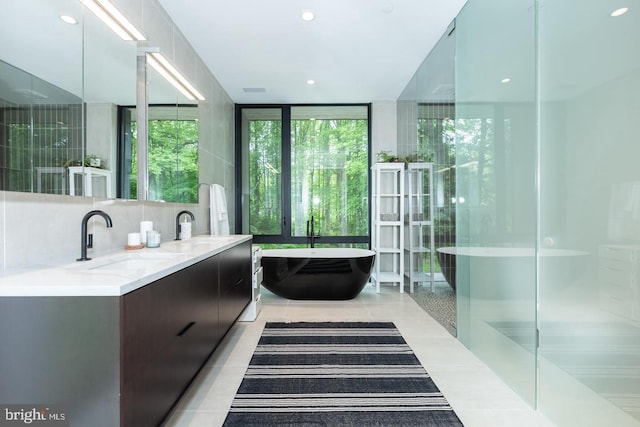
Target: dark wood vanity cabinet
170, 327
125, 360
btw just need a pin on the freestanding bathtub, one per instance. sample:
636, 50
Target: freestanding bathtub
316, 273
501, 268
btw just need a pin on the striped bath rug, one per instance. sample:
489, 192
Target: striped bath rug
337, 374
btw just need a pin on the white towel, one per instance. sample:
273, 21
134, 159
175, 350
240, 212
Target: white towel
219, 217
221, 202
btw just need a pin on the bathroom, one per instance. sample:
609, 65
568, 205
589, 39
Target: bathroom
564, 183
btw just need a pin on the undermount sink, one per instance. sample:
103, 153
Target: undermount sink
129, 261
209, 240
150, 255
127, 264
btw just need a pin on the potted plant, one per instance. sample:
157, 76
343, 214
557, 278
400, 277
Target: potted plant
417, 158
72, 162
386, 157
93, 161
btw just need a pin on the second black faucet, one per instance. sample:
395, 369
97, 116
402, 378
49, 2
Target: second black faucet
178, 221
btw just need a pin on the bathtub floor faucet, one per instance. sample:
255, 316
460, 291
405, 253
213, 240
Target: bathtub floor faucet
311, 233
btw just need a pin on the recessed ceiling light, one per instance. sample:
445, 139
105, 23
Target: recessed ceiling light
311, 82
505, 80
620, 11
308, 16
68, 19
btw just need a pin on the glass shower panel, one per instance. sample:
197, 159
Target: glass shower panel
589, 287
496, 188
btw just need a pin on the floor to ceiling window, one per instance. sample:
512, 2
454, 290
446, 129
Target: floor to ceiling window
305, 174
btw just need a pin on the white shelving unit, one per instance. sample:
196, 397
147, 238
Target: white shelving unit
387, 236
90, 176
419, 230
251, 312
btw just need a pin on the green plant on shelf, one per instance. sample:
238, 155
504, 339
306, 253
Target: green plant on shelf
387, 157
91, 160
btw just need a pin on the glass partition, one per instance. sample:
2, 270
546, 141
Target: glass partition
589, 213
548, 235
496, 187
426, 133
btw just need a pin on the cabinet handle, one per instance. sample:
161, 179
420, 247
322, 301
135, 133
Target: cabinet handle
186, 328
239, 281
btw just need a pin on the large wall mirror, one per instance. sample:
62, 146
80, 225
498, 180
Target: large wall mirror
64, 91
172, 129
40, 95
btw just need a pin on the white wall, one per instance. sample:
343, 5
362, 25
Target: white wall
384, 127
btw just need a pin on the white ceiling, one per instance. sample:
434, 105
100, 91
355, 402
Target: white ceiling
355, 50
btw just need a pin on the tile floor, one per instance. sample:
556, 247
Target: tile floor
476, 394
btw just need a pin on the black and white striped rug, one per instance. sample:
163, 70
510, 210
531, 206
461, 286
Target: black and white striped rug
337, 374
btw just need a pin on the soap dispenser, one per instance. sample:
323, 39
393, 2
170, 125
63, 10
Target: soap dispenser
185, 230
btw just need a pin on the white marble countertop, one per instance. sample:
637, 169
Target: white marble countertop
115, 273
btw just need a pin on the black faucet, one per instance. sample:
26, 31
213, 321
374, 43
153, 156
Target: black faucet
84, 244
193, 218
311, 235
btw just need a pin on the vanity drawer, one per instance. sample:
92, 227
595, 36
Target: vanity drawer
257, 278
617, 301
617, 273
256, 257
618, 253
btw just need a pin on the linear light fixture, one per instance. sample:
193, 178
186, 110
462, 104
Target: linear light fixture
173, 76
114, 19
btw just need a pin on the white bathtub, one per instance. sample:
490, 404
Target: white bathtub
503, 268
